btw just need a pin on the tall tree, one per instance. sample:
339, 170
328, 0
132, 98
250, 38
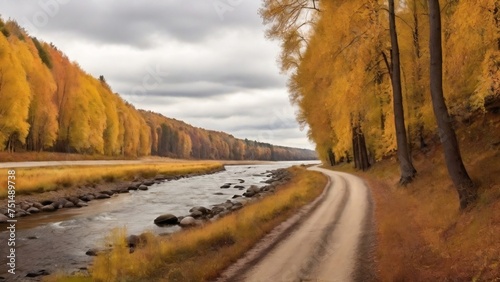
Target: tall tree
467, 192
405, 164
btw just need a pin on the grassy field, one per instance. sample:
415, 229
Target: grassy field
51, 156
422, 235
38, 180
200, 254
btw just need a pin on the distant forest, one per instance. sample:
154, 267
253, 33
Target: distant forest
48, 103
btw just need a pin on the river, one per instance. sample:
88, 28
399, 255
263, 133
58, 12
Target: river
58, 241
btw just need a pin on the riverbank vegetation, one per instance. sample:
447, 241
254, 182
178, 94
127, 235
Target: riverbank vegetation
44, 179
200, 254
421, 233
54, 156
50, 104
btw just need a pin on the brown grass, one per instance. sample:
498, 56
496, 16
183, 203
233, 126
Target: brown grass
52, 156
201, 254
37, 180
422, 235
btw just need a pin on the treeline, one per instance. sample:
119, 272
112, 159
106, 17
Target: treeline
48, 103
174, 138
369, 76
338, 57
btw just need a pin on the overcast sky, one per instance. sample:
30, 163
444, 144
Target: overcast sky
205, 62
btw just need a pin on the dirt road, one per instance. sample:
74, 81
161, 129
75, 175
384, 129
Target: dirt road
328, 244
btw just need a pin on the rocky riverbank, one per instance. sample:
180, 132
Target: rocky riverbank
79, 196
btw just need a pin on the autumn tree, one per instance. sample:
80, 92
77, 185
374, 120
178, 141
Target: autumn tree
465, 187
15, 97
405, 164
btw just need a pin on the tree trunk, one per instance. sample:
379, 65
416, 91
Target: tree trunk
467, 192
331, 157
405, 165
355, 148
364, 153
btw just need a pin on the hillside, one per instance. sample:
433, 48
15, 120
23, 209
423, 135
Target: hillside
50, 104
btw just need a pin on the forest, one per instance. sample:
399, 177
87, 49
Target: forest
378, 78
48, 103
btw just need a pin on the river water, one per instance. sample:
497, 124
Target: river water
58, 241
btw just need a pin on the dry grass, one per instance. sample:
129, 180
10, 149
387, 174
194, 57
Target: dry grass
422, 235
200, 254
52, 156
37, 180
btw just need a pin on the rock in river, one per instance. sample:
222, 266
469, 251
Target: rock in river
42, 272
203, 210
102, 196
48, 208
166, 219
187, 222
33, 210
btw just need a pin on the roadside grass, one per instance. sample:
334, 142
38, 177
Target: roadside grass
201, 254
421, 234
43, 179
53, 156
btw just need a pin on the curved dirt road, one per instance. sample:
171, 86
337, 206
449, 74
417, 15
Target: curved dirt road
327, 245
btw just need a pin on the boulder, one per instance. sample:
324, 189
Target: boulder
236, 196
81, 204
188, 221
132, 188
133, 241
33, 210
25, 205
203, 210
254, 189
3, 218
102, 196
69, 205
74, 200
196, 214
46, 202
166, 219
48, 208
236, 207
143, 187
108, 192
239, 187
227, 205
87, 198
38, 273
123, 191
95, 251
148, 183
21, 213
249, 194
218, 194
217, 209
37, 205
92, 252
241, 180
161, 177
225, 186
